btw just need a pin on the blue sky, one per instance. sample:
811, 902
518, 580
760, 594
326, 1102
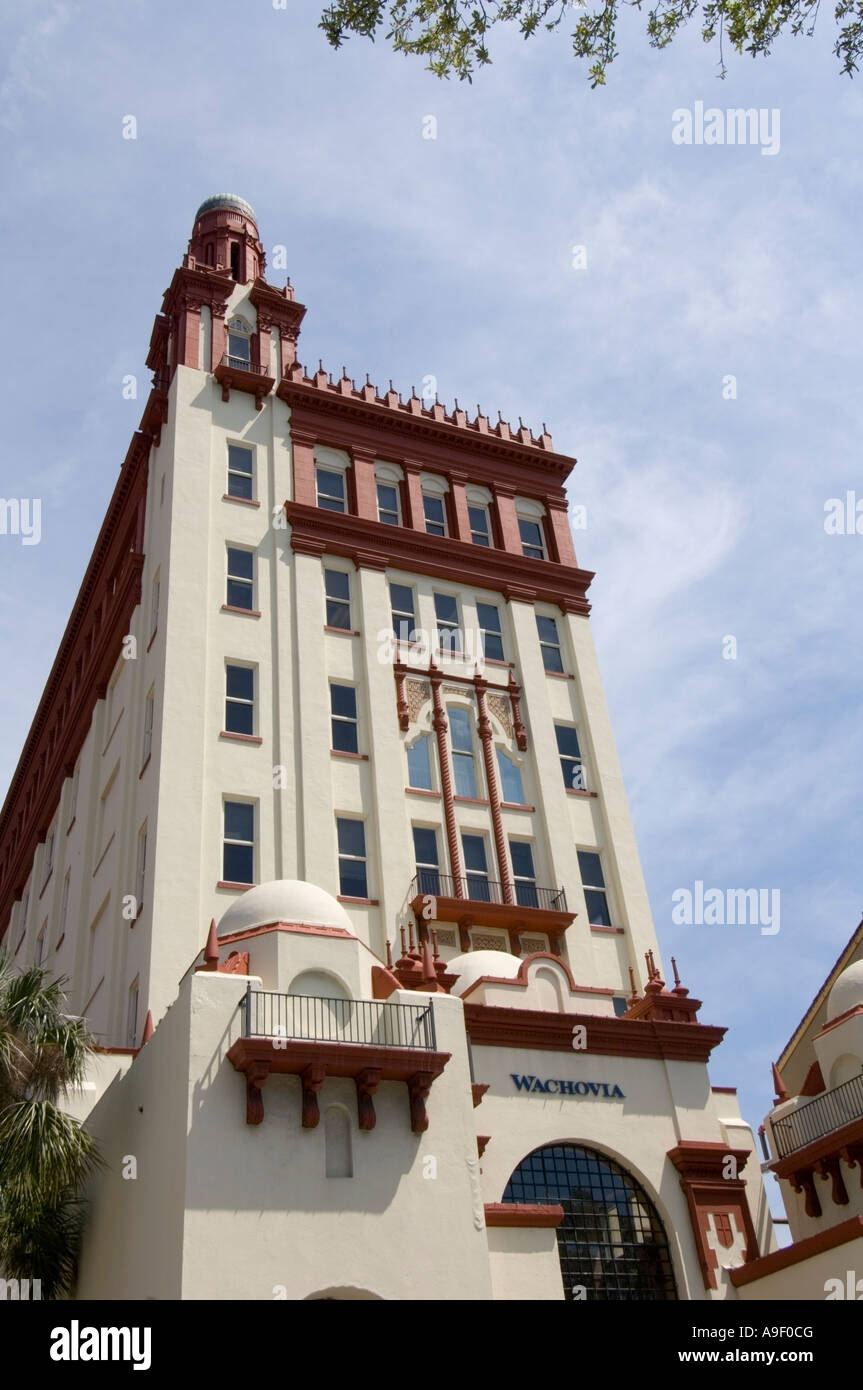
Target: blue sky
453, 257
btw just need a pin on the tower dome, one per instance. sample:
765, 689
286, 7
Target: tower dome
227, 201
289, 900
473, 965
847, 992
225, 237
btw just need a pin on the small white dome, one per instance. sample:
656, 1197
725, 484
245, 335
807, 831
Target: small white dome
847, 992
285, 900
473, 965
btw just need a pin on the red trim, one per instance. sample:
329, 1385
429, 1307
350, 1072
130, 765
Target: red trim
365, 902
509, 916
246, 612
577, 791
145, 765
491, 1025
356, 757
243, 501
711, 1193
226, 883
522, 1214
521, 980
471, 801
608, 931
812, 1155
240, 738
725, 1090
831, 1239
117, 1051
835, 1022
343, 631
300, 927
420, 791
561, 675
515, 806
374, 545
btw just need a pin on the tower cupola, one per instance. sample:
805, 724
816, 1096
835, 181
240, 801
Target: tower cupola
225, 237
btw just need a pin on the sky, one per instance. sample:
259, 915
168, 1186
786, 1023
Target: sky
699, 355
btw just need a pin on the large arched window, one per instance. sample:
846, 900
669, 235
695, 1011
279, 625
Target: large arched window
611, 1242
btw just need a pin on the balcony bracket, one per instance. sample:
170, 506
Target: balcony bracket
255, 1078
366, 1084
419, 1086
831, 1168
312, 1079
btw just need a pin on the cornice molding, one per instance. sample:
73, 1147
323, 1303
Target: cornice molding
490, 1025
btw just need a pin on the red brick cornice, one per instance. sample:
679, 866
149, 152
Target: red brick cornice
371, 544
195, 288
276, 310
491, 1025
88, 652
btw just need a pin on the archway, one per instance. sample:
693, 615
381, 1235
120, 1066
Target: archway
611, 1242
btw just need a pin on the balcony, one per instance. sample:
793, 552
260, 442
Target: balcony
313, 1038
474, 900
831, 1111
243, 375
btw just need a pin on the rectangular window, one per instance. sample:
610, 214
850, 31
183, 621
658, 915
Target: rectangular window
427, 860
388, 504
592, 880
510, 779
331, 490
148, 727
141, 866
241, 579
353, 881
241, 472
480, 527
461, 742
476, 868
343, 709
132, 1015
435, 514
402, 604
419, 763
239, 347
448, 634
239, 700
238, 849
488, 616
549, 642
64, 904
570, 757
154, 604
531, 539
523, 873
337, 587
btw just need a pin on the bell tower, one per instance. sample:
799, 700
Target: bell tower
225, 238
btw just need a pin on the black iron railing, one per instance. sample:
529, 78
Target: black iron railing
820, 1116
242, 364
479, 889
304, 1017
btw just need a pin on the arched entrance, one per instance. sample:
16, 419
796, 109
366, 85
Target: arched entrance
611, 1242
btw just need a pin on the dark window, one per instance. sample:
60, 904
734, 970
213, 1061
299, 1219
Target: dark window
235, 260
461, 741
435, 515
240, 472
570, 757
331, 490
388, 504
611, 1242
239, 349
239, 700
448, 634
480, 530
428, 863
549, 642
523, 873
337, 586
590, 868
488, 616
531, 539
238, 858
241, 581
402, 602
476, 868
353, 882
343, 707
419, 763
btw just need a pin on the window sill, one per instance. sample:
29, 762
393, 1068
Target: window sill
102, 855
243, 501
560, 675
364, 902
144, 766
152, 638
608, 931
45, 885
470, 800
240, 738
423, 791
353, 757
494, 661
71, 823
241, 887
579, 791
516, 806
246, 612
342, 631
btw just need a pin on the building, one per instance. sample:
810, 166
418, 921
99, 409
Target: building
329, 687
813, 1144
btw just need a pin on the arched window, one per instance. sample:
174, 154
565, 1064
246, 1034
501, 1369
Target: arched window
239, 343
337, 1138
611, 1241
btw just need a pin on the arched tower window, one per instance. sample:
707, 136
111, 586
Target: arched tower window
611, 1241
